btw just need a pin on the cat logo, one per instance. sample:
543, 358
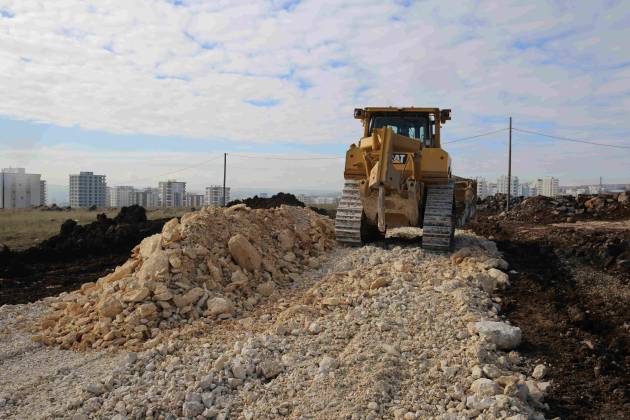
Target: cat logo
399, 158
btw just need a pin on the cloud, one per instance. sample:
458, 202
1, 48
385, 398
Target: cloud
271, 72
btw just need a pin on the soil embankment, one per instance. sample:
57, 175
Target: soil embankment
570, 295
78, 254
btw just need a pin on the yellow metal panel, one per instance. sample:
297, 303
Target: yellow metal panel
434, 161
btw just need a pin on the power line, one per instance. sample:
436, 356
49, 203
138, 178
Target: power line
279, 158
570, 139
476, 136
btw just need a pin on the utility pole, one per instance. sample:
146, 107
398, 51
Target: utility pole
224, 173
509, 189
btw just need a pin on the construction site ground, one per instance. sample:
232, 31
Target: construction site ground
380, 331
570, 294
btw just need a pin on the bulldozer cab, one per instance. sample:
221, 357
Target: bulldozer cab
415, 126
415, 123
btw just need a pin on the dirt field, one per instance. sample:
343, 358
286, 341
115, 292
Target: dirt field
570, 295
21, 229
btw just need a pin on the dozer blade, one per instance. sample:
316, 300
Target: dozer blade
438, 227
348, 218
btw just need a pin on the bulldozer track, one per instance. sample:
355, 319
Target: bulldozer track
438, 225
349, 212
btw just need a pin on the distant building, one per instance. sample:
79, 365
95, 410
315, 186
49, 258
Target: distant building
122, 196
195, 200
43, 193
19, 190
172, 193
482, 188
524, 190
149, 198
550, 186
263, 195
108, 196
492, 188
214, 196
502, 185
87, 190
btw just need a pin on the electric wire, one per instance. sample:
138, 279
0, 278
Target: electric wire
280, 158
476, 136
617, 146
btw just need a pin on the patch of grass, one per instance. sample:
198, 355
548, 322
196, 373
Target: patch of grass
23, 228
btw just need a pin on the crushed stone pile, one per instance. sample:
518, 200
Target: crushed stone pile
214, 263
541, 209
384, 331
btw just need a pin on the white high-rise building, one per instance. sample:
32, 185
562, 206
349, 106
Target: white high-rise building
482, 188
19, 190
87, 190
502, 185
122, 196
43, 193
550, 186
149, 198
524, 190
195, 200
172, 193
214, 196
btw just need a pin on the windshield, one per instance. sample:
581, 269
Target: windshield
414, 126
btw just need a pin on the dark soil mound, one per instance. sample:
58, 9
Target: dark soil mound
76, 255
542, 209
270, 202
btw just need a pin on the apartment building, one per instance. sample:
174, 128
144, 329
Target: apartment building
172, 193
214, 196
502, 185
87, 190
19, 190
122, 196
149, 198
195, 200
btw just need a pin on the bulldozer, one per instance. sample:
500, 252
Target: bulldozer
398, 175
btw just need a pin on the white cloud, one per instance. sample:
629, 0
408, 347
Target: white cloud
153, 67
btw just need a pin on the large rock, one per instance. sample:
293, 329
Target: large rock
244, 253
500, 276
219, 305
484, 387
136, 295
149, 245
188, 298
504, 336
154, 266
110, 307
171, 232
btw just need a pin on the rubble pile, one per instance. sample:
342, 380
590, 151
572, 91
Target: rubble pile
375, 332
542, 209
213, 263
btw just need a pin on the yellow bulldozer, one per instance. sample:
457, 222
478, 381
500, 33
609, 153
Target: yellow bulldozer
399, 175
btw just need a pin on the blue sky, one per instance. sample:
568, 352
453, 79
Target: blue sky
139, 91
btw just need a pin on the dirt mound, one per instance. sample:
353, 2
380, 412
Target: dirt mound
270, 202
125, 230
75, 255
215, 263
542, 209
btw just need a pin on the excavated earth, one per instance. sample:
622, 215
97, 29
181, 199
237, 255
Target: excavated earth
242, 313
78, 254
570, 295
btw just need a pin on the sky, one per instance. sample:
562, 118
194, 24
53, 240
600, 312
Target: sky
148, 90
